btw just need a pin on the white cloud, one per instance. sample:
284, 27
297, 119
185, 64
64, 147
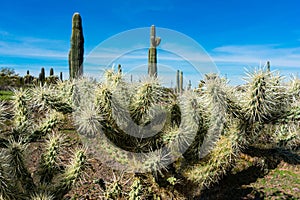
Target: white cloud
30, 47
229, 58
254, 54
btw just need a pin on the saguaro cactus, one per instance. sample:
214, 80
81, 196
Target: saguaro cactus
179, 81
268, 66
119, 69
152, 53
77, 48
189, 85
51, 71
42, 76
61, 76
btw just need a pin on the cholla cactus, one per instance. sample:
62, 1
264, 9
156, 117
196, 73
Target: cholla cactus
136, 191
45, 127
3, 112
15, 177
42, 196
7, 190
72, 173
221, 158
47, 97
264, 97
21, 114
216, 96
49, 164
147, 128
16, 161
148, 94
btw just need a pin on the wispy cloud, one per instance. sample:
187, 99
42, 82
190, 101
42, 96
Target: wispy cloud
31, 47
253, 54
230, 59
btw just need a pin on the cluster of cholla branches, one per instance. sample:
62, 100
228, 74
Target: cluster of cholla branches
145, 128
33, 119
148, 130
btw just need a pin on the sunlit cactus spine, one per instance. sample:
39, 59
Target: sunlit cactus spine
21, 115
47, 97
152, 53
221, 159
213, 124
45, 127
77, 48
136, 191
215, 97
49, 164
72, 174
114, 191
148, 94
265, 99
7, 190
42, 196
19, 171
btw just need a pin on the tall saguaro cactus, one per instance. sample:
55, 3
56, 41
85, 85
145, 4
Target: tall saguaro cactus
152, 53
51, 72
77, 48
179, 81
268, 66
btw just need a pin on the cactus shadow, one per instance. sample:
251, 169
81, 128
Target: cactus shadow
236, 185
232, 186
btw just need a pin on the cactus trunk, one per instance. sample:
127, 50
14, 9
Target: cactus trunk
181, 82
152, 53
177, 81
51, 72
61, 76
119, 69
77, 48
42, 76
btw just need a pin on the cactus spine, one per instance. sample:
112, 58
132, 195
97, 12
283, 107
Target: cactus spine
77, 48
152, 53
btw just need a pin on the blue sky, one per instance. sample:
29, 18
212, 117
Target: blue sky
235, 33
